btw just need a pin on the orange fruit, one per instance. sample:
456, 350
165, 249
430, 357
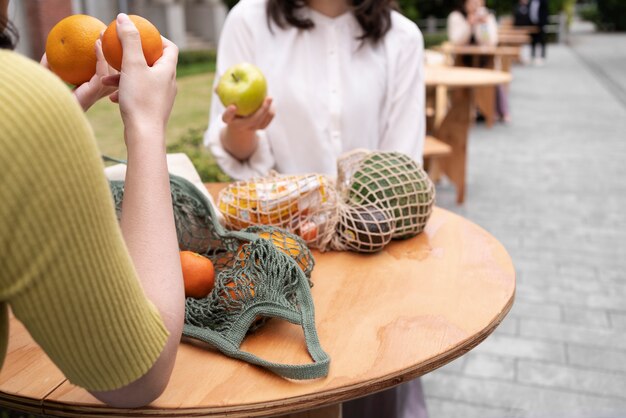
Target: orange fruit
151, 42
71, 48
198, 274
308, 231
288, 245
233, 294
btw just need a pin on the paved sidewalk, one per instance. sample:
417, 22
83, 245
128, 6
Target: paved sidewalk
551, 186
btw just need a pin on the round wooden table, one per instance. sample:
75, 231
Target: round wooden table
383, 319
484, 57
452, 122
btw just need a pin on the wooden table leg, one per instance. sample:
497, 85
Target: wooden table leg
486, 104
332, 411
505, 63
441, 104
454, 131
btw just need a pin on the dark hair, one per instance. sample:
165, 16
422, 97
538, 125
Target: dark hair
374, 16
8, 35
460, 7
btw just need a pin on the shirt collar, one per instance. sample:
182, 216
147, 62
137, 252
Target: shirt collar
323, 20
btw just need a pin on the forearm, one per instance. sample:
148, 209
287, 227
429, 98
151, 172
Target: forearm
147, 224
239, 143
149, 232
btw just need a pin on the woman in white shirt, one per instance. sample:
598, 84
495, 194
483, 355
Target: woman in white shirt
472, 24
341, 75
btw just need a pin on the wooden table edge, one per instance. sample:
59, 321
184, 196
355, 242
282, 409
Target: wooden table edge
21, 404
283, 406
294, 404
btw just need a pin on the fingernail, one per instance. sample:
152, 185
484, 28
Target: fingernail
122, 18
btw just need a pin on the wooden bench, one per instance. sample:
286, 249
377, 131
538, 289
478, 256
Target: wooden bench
434, 149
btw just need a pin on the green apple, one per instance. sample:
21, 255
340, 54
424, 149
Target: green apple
244, 86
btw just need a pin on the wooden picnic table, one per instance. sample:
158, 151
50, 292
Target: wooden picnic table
384, 319
452, 125
489, 57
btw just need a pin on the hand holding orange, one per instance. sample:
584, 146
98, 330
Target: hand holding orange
151, 42
71, 46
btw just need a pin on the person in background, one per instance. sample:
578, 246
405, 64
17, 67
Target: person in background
520, 14
105, 301
472, 24
342, 74
538, 15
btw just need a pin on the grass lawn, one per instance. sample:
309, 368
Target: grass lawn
191, 111
188, 121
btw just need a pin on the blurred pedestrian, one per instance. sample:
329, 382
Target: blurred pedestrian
538, 15
472, 24
521, 15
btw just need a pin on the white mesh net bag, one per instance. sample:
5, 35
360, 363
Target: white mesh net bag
378, 196
303, 204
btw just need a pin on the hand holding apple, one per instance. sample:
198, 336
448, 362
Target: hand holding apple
258, 120
239, 136
244, 86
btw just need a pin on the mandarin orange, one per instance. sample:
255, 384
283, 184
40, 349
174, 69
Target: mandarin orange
151, 42
288, 246
198, 274
71, 48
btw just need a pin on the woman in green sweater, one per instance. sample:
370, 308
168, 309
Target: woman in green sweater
104, 300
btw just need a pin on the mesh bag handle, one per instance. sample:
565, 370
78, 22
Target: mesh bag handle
321, 361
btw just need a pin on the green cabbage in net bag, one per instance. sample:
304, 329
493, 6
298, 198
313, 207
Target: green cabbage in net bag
392, 181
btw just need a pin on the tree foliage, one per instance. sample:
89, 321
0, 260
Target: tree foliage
441, 8
612, 13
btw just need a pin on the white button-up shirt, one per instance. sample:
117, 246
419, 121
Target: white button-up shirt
332, 93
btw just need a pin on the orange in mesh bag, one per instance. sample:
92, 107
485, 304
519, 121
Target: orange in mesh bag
301, 204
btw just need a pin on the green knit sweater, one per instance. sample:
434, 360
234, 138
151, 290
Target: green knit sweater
64, 268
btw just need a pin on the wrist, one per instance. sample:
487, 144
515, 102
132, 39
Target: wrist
241, 144
232, 130
138, 131
144, 138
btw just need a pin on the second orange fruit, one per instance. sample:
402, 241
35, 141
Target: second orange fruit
71, 48
198, 274
151, 42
